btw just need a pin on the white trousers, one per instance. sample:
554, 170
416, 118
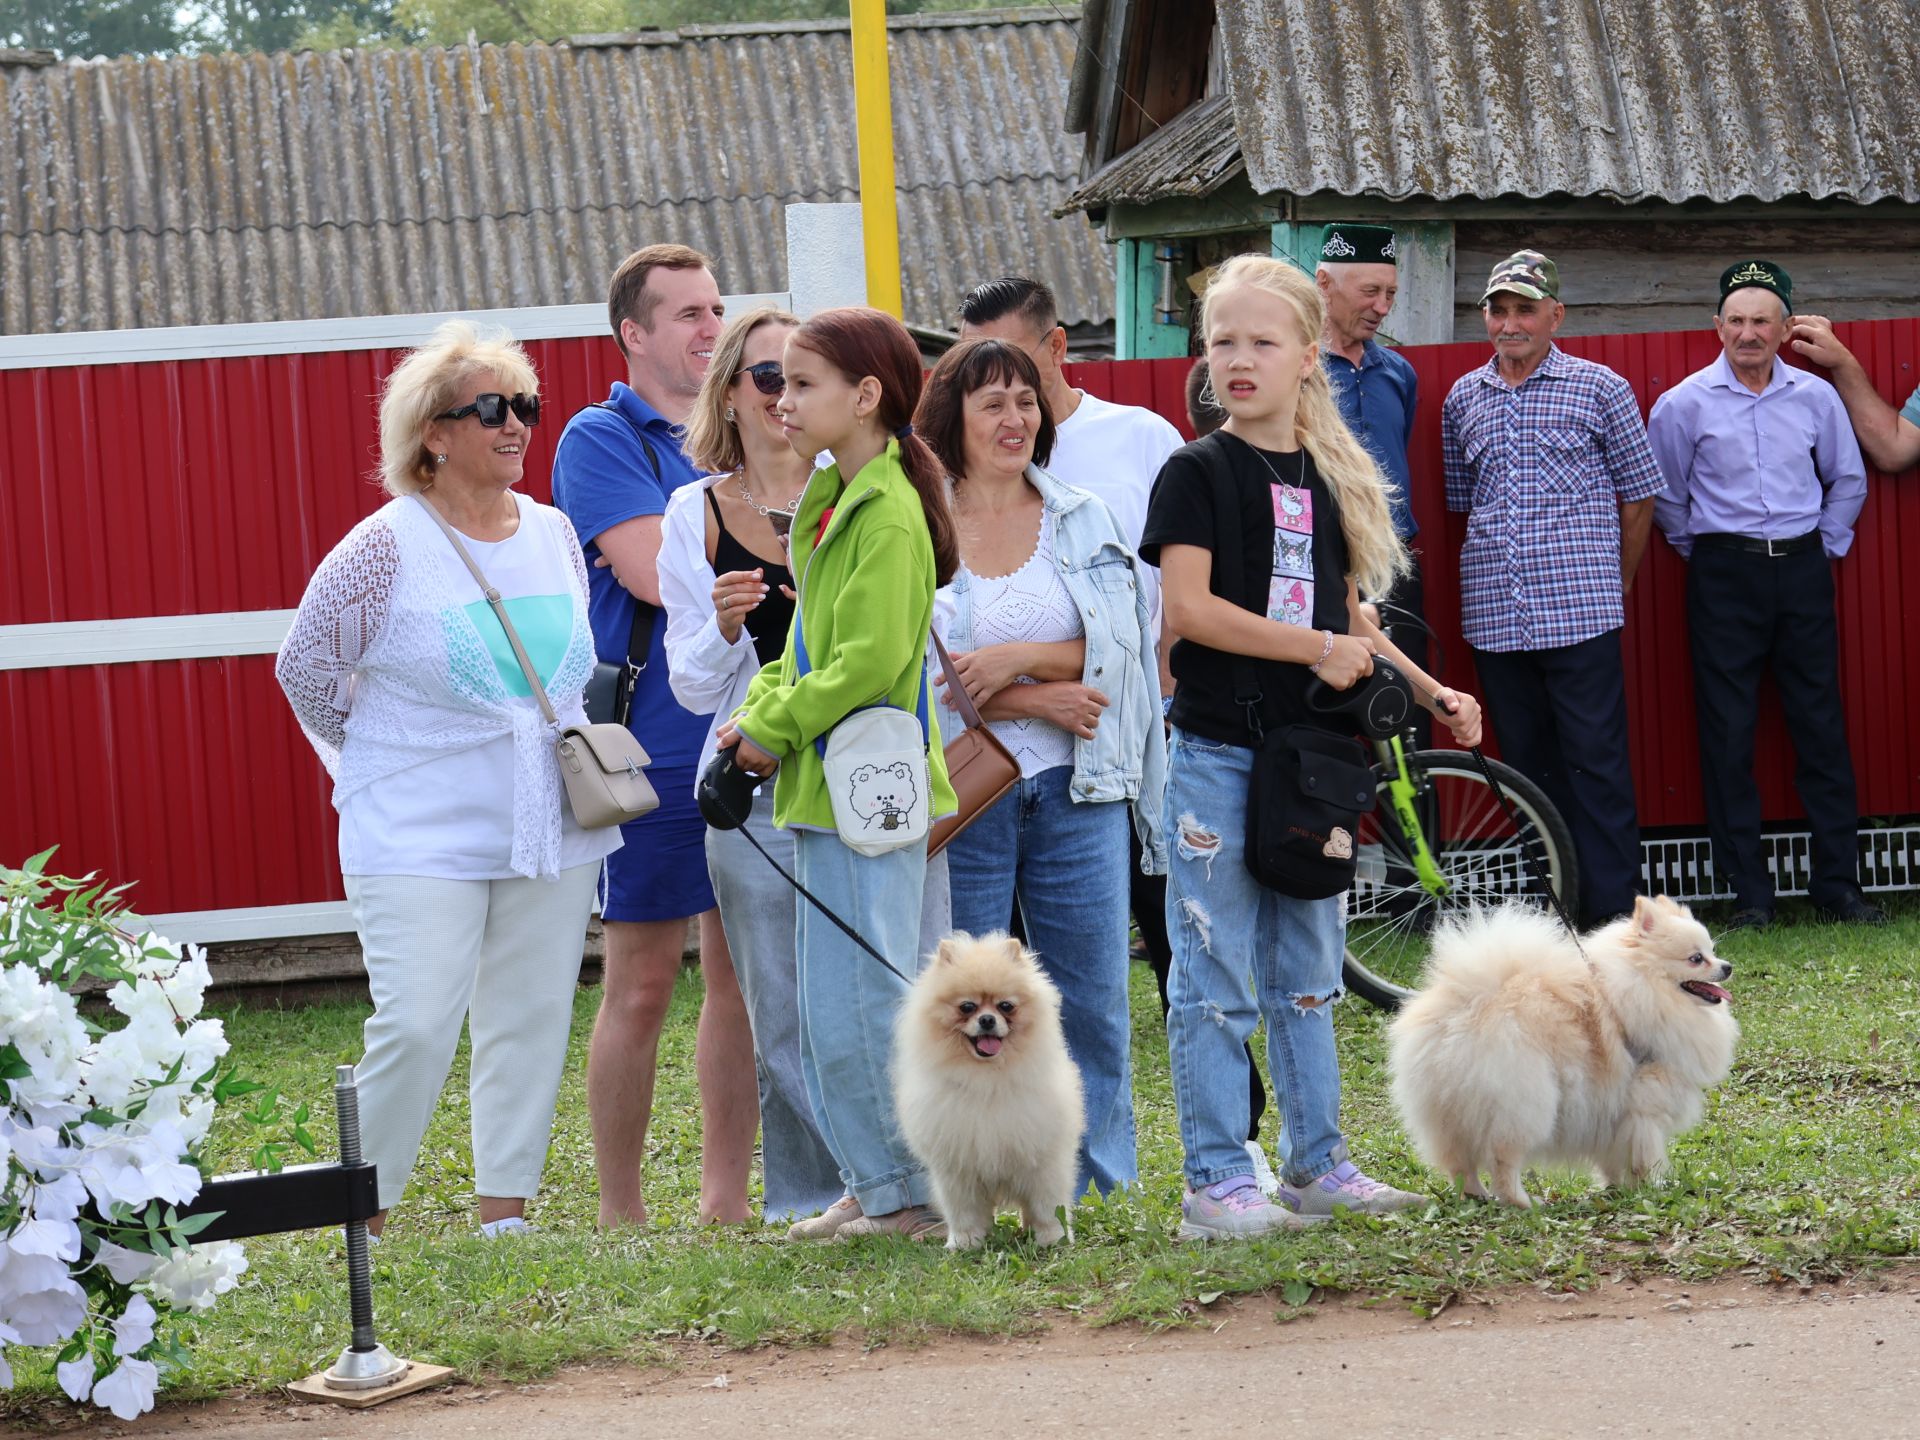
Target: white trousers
504, 955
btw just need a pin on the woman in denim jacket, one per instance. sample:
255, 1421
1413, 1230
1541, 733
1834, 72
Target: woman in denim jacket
1049, 627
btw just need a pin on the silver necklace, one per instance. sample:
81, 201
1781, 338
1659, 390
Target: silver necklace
1296, 492
740, 482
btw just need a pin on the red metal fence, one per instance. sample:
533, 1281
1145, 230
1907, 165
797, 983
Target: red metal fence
190, 487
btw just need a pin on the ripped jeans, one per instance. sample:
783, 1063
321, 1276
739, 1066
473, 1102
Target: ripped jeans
1237, 944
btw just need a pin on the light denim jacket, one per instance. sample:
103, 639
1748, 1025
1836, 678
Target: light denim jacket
1127, 757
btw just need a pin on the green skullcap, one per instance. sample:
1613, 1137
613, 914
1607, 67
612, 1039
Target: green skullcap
1525, 272
1348, 244
1762, 274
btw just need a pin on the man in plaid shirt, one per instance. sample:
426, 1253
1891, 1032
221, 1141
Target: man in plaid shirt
1548, 457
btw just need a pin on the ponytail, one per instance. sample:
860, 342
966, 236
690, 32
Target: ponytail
859, 341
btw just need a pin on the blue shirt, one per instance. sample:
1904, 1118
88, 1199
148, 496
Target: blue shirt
1541, 471
601, 478
1911, 410
1378, 398
1771, 466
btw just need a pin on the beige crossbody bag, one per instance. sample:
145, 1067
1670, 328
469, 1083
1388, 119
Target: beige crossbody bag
602, 765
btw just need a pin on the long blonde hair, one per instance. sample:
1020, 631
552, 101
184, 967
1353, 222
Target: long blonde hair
1352, 476
712, 441
427, 382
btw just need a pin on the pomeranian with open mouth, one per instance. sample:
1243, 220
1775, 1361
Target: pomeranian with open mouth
1518, 1050
988, 1098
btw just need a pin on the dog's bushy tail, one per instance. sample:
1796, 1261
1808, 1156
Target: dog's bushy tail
1478, 952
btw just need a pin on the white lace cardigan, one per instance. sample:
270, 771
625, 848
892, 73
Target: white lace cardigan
370, 665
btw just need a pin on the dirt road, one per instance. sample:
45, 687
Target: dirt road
1722, 1359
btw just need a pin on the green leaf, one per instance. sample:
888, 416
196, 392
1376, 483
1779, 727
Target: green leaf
1296, 1292
194, 1224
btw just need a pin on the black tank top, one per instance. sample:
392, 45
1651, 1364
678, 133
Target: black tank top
768, 621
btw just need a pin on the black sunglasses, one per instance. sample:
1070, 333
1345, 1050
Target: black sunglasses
492, 410
768, 377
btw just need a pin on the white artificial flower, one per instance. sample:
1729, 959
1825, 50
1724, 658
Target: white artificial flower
40, 1301
124, 1265
128, 1391
6, 1370
133, 1331
187, 986
60, 1198
59, 1239
133, 1167
113, 1068
192, 1276
76, 1377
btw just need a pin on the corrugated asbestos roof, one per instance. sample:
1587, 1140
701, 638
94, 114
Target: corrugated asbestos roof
1193, 154
1625, 99
246, 187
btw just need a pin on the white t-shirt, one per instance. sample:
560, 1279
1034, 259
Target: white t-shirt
1115, 452
451, 817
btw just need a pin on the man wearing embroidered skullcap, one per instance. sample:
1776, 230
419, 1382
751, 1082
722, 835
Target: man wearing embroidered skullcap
1547, 456
1377, 392
1764, 482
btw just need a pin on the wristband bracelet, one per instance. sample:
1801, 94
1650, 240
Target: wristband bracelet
1325, 650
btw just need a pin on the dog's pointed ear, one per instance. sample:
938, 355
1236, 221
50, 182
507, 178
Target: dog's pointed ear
949, 949
1645, 915
1015, 950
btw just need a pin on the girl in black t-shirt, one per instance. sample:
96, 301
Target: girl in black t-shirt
1284, 480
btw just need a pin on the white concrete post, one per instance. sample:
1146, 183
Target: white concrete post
826, 257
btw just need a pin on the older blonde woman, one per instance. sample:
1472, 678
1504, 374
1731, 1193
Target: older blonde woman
469, 880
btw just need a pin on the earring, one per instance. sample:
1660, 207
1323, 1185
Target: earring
441, 458
729, 414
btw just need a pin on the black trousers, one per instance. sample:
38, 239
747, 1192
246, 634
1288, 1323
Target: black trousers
1746, 612
1561, 716
1408, 631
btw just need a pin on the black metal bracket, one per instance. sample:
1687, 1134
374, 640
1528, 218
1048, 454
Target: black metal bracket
300, 1197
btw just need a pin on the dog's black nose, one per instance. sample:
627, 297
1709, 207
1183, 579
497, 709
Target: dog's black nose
1729, 966
988, 1023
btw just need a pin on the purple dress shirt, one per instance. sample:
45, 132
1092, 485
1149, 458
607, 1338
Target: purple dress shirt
1771, 466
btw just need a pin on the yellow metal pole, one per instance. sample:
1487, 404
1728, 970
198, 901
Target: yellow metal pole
873, 118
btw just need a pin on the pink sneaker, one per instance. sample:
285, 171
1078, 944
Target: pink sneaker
1344, 1186
1235, 1209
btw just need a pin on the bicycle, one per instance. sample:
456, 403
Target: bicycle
1439, 840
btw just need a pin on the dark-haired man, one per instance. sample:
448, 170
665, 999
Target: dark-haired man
1764, 482
1378, 394
613, 470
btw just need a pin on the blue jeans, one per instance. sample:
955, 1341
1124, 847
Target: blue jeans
1068, 864
1237, 944
847, 1005
800, 1175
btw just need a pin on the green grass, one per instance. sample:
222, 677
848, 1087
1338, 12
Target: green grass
1806, 1166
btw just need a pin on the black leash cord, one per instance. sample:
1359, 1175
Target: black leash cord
851, 933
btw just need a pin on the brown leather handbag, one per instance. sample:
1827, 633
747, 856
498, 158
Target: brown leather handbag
979, 766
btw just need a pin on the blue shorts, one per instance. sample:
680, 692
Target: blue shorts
660, 872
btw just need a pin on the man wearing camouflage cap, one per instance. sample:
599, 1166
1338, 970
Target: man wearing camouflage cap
1764, 481
1547, 456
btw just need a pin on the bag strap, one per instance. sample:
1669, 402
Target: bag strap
640, 634
803, 666
962, 701
499, 610
1246, 679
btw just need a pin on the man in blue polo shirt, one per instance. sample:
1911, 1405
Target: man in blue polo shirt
613, 470
1377, 392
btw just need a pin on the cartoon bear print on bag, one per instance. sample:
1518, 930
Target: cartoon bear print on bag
884, 793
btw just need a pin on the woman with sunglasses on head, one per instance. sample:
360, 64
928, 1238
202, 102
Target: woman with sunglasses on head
469, 879
729, 600
871, 541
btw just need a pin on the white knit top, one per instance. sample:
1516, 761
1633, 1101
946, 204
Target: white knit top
1030, 606
388, 671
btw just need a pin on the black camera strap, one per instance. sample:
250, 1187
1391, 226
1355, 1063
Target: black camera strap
640, 634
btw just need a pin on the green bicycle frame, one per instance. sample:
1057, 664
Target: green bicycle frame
1400, 794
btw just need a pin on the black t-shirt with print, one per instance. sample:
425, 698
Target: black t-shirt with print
1220, 491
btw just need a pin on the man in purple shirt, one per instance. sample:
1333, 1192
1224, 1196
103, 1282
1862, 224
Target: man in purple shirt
1764, 482
1547, 456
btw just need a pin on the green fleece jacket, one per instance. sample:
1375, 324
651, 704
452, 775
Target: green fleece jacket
866, 600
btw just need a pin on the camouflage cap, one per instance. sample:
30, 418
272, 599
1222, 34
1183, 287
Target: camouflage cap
1763, 274
1525, 272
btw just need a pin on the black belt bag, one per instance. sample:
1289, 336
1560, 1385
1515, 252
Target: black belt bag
1309, 790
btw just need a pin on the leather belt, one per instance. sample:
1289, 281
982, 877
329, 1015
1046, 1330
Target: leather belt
1753, 546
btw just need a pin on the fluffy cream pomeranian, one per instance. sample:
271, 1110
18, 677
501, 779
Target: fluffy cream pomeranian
988, 1098
1519, 1051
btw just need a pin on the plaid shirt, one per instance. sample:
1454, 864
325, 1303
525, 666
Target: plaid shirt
1541, 472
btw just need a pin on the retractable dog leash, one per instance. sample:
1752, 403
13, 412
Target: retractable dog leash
726, 799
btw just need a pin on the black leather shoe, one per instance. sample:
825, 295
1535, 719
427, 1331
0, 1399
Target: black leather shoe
1750, 917
1854, 909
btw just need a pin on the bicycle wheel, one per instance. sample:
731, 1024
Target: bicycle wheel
1476, 847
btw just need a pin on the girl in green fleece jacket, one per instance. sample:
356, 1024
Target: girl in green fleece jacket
870, 542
